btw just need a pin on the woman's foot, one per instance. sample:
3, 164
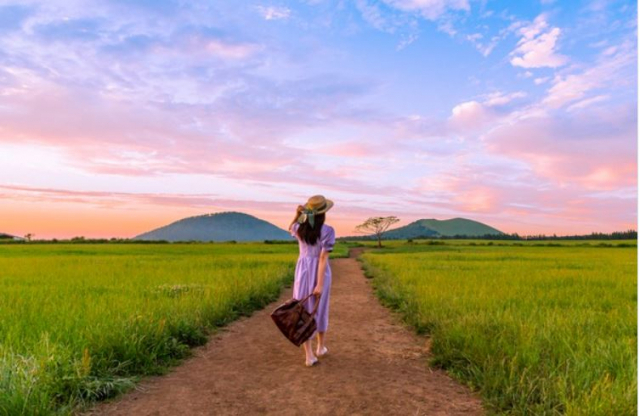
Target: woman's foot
321, 351
311, 362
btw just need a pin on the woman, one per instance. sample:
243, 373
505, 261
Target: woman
313, 273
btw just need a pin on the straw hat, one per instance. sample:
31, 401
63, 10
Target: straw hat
317, 204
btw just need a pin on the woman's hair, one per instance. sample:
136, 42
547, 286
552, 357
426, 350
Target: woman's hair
308, 234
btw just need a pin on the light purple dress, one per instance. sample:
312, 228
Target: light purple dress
306, 276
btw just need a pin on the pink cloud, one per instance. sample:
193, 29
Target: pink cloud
576, 150
350, 149
470, 116
119, 137
514, 199
474, 116
498, 98
227, 50
537, 47
610, 70
477, 199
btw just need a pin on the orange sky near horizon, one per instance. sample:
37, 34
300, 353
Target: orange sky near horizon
68, 220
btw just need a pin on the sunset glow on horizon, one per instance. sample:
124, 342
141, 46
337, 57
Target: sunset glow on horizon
125, 116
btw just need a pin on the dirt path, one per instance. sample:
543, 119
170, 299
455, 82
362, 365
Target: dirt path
374, 366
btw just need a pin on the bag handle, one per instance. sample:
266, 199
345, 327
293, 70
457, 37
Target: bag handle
315, 308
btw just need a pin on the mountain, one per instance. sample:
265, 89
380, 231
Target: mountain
224, 226
435, 228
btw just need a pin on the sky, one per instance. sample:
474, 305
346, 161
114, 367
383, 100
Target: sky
117, 117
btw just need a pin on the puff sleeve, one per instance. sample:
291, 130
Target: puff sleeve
328, 239
294, 230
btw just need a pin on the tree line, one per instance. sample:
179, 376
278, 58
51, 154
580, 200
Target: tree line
618, 235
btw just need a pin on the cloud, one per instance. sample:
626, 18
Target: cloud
469, 116
406, 41
389, 20
112, 199
594, 149
478, 199
372, 14
429, 9
448, 28
274, 12
513, 198
350, 150
110, 137
498, 98
142, 103
571, 152
473, 116
485, 48
587, 102
609, 71
537, 47
404, 16
228, 50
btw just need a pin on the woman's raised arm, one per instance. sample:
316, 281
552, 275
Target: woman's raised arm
295, 218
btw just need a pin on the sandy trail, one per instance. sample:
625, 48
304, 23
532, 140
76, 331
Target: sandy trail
375, 366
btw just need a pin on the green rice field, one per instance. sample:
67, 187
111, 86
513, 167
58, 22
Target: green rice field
82, 322
536, 328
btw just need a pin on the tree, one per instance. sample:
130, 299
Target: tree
29, 236
377, 226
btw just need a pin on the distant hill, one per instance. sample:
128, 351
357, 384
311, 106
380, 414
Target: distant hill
445, 228
224, 226
6, 237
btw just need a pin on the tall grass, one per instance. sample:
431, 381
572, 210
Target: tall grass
537, 330
80, 323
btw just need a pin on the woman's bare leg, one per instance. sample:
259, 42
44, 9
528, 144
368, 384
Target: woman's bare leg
308, 351
320, 349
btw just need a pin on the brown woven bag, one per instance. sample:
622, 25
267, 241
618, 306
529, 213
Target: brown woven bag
294, 321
